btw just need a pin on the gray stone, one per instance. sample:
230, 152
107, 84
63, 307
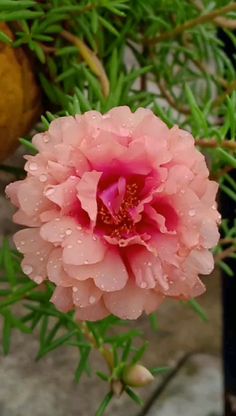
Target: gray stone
196, 390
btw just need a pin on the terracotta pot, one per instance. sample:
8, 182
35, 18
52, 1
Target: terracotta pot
20, 99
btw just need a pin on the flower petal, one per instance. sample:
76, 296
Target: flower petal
55, 271
92, 313
126, 303
62, 298
147, 269
82, 248
87, 192
86, 293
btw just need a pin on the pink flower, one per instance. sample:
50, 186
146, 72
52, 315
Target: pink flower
120, 213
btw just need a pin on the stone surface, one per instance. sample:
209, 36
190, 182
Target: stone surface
196, 390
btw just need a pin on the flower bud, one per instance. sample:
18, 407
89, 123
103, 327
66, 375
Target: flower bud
137, 376
117, 387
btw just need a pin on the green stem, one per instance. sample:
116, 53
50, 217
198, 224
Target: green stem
192, 23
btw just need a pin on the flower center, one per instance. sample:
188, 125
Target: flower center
119, 222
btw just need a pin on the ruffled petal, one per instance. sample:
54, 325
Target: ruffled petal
62, 298
31, 198
92, 313
87, 192
147, 269
86, 293
55, 270
199, 261
109, 274
127, 303
82, 248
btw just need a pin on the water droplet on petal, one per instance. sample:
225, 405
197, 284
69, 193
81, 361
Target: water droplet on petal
92, 299
22, 243
69, 246
94, 238
192, 212
75, 289
79, 227
27, 269
46, 139
79, 241
33, 166
38, 279
85, 261
143, 285
68, 231
149, 264
43, 178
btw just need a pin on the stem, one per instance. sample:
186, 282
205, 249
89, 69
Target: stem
226, 144
224, 254
170, 99
231, 87
220, 21
192, 23
104, 351
201, 65
91, 60
225, 241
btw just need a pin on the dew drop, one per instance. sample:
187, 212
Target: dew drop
143, 285
94, 238
79, 227
41, 259
192, 212
43, 178
92, 299
69, 246
85, 261
33, 166
149, 264
68, 231
38, 279
75, 289
22, 243
46, 139
79, 241
61, 235
27, 269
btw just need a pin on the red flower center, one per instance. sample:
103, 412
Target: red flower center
116, 215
